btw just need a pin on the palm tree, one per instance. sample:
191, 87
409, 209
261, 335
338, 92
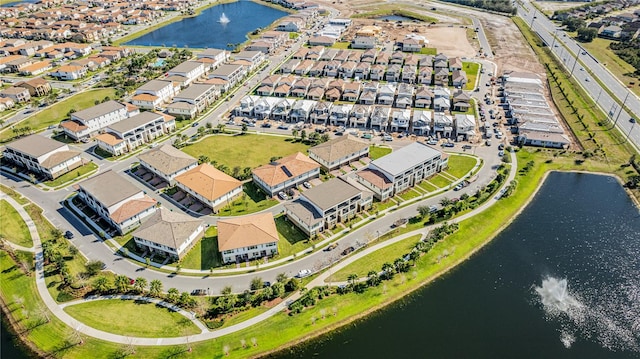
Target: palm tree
101, 284
388, 269
203, 159
122, 283
155, 288
423, 210
256, 283
281, 278
294, 133
445, 202
140, 285
172, 295
352, 279
244, 128
373, 279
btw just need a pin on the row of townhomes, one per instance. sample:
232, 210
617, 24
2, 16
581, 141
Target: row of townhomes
64, 61
379, 117
80, 21
400, 95
319, 61
529, 113
43, 156
269, 41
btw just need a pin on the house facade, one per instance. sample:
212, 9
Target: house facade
167, 162
339, 152
42, 155
287, 172
209, 185
248, 237
171, 234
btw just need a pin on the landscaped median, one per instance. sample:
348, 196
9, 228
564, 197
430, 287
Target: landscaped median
12, 227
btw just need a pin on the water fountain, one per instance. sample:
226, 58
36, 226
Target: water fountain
224, 19
554, 295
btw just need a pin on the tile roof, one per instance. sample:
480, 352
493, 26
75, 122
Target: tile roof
246, 231
109, 139
208, 181
285, 168
73, 126
59, 157
375, 177
132, 208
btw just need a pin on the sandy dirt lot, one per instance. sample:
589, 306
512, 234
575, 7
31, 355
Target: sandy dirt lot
511, 50
557, 5
451, 41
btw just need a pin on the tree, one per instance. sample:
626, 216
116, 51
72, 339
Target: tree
573, 23
94, 267
445, 202
303, 135
256, 283
155, 288
203, 159
281, 277
389, 270
173, 295
587, 34
424, 211
372, 278
352, 279
102, 284
226, 290
294, 133
140, 285
244, 128
277, 289
122, 283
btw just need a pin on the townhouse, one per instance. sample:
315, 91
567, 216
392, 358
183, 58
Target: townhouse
210, 186
339, 152
42, 156
125, 136
167, 162
247, 238
169, 234
86, 123
285, 173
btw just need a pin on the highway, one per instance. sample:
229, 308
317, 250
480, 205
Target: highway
586, 69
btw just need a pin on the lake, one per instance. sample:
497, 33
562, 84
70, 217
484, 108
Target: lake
7, 4
509, 299
205, 30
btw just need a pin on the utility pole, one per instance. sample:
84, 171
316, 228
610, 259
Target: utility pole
622, 109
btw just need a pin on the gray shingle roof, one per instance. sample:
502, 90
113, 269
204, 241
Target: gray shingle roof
167, 159
35, 145
405, 158
168, 228
109, 188
98, 110
330, 193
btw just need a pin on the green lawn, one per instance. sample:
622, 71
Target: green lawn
341, 45
292, 239
381, 206
375, 260
58, 112
459, 165
132, 318
13, 194
439, 181
426, 186
73, 175
204, 255
244, 150
12, 227
599, 48
376, 152
400, 10
251, 201
410, 194
428, 51
472, 69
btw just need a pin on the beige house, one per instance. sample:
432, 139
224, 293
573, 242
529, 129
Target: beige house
249, 237
287, 172
169, 233
43, 155
116, 200
209, 185
339, 151
167, 162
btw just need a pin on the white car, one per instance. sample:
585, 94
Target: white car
303, 273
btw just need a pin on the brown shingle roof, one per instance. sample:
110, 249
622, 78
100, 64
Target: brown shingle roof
246, 231
337, 148
208, 181
376, 178
168, 228
167, 159
131, 208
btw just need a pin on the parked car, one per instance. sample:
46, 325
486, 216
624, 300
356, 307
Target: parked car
501, 146
68, 235
466, 147
194, 124
303, 273
331, 247
488, 142
199, 292
433, 209
432, 142
387, 138
500, 153
347, 251
632, 120
283, 196
448, 144
458, 187
306, 184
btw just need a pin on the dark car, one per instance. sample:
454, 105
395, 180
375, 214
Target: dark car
448, 144
632, 120
68, 235
347, 250
199, 292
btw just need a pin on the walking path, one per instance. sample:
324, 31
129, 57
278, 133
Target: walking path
58, 311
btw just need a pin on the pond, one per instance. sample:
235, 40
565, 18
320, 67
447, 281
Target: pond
207, 31
562, 281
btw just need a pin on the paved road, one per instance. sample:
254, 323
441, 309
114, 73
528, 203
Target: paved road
586, 70
205, 334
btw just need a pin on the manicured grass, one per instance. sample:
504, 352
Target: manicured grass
73, 175
428, 51
376, 152
75, 264
341, 45
427, 187
12, 227
599, 48
58, 112
375, 260
13, 194
253, 200
460, 165
45, 228
440, 181
244, 150
472, 69
293, 35
244, 315
381, 206
132, 318
410, 194
292, 239
204, 255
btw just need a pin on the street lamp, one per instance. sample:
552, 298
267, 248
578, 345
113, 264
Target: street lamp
621, 109
631, 129
576, 62
533, 18
555, 34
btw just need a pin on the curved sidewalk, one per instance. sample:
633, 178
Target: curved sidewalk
58, 311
